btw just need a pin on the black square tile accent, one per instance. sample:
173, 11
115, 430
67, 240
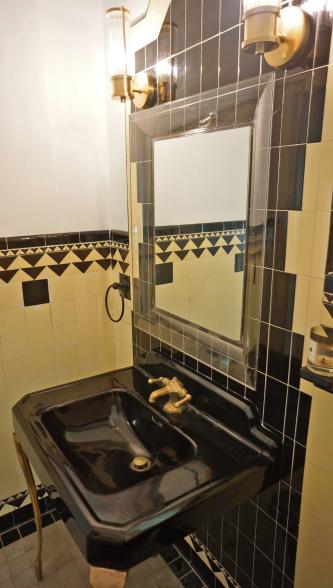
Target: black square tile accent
191, 580
291, 178
278, 353
179, 567
62, 238
35, 292
163, 273
265, 534
10, 537
303, 418
280, 244
3, 243
297, 345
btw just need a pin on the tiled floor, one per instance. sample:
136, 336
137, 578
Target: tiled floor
64, 566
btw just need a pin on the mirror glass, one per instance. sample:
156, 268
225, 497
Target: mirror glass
201, 190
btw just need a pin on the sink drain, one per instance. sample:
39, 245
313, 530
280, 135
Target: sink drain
140, 463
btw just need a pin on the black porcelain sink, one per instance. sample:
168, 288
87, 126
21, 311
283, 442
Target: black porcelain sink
83, 440
100, 437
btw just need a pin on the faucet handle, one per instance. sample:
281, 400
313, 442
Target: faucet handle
155, 380
183, 401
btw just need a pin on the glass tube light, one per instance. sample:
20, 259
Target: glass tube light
120, 55
261, 25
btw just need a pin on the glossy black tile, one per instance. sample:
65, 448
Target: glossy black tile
291, 413
179, 567
35, 292
10, 537
275, 403
119, 236
291, 178
163, 273
210, 54
280, 244
229, 539
296, 102
230, 14
247, 518
62, 238
151, 54
298, 467
265, 533
303, 418
283, 296
191, 580
178, 65
290, 557
193, 65
278, 353
27, 528
3, 243
249, 63
26, 241
91, 236
6, 522
193, 23
297, 346
178, 20
277, 113
323, 39
270, 239
243, 580
140, 59
229, 48
245, 554
317, 105
210, 18
263, 570
228, 563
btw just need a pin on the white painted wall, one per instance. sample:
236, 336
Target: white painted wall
202, 177
61, 137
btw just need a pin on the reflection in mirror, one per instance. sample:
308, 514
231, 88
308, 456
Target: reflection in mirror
200, 227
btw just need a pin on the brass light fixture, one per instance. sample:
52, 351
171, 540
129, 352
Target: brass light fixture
141, 88
282, 35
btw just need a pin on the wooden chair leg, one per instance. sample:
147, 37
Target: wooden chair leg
103, 578
29, 478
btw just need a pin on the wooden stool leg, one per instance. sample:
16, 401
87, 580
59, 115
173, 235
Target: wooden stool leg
29, 478
103, 578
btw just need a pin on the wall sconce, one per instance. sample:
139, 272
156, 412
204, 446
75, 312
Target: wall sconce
282, 35
166, 70
141, 88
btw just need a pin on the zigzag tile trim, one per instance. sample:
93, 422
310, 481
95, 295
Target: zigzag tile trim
220, 573
32, 262
193, 245
16, 501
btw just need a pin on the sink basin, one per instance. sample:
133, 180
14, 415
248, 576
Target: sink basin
129, 479
101, 437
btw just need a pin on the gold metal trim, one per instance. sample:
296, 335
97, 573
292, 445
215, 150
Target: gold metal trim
104, 578
118, 8
294, 29
29, 478
144, 92
179, 396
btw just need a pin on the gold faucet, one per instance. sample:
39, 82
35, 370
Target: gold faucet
179, 396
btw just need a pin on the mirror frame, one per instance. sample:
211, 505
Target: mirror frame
249, 103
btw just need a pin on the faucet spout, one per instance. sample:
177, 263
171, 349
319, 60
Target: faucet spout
178, 395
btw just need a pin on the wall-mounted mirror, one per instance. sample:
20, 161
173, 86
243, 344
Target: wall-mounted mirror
200, 221
199, 190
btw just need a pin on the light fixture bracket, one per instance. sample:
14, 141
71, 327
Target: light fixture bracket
294, 33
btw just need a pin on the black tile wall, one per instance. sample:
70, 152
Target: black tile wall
257, 542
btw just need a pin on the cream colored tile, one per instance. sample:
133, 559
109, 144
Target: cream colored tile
62, 313
38, 317
71, 575
15, 370
12, 322
66, 363
40, 340
11, 296
325, 186
301, 304
26, 579
64, 335
7, 584
4, 572
19, 564
320, 244
13, 346
61, 288
320, 437
314, 565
